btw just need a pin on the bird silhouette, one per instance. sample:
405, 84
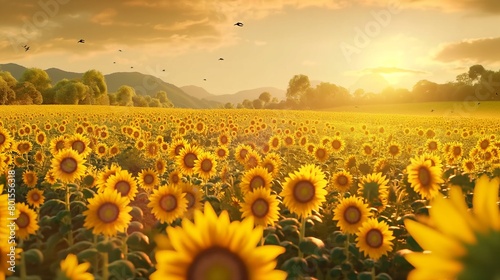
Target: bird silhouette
478, 103
163, 70
81, 41
204, 79
26, 48
240, 24
221, 58
432, 110
131, 67
114, 62
120, 50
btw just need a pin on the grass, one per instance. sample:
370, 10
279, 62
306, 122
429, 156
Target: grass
452, 109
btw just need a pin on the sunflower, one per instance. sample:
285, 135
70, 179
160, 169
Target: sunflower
272, 163
469, 166
26, 221
176, 147
5, 139
160, 166
342, 181
262, 206
367, 149
224, 139
140, 144
351, 213
71, 270
35, 198
41, 138
23, 147
80, 144
168, 203
252, 159
374, 238
432, 145
460, 244
101, 150
214, 248
222, 152
205, 166
321, 153
424, 178
30, 178
114, 150
123, 183
394, 150
275, 142
304, 190
108, 213
103, 176
148, 179
186, 158
373, 188
193, 195
337, 144
152, 149
241, 152
255, 178
67, 166
39, 157
175, 177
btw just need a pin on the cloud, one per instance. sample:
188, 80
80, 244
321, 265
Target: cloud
392, 70
482, 50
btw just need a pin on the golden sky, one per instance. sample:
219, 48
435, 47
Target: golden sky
336, 41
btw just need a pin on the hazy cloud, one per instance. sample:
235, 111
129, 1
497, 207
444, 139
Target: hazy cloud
481, 50
391, 70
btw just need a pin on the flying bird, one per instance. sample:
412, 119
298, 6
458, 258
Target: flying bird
163, 70
81, 41
114, 62
432, 110
240, 24
204, 79
131, 67
26, 48
120, 50
221, 58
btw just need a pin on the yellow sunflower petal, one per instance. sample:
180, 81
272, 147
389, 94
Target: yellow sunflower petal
451, 222
434, 262
434, 241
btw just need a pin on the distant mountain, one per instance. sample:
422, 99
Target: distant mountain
143, 85
234, 98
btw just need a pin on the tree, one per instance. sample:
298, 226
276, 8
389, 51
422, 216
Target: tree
247, 104
7, 94
124, 96
464, 79
162, 96
140, 101
424, 90
96, 83
26, 93
38, 77
297, 87
70, 92
155, 102
476, 71
265, 97
7, 77
258, 104
228, 105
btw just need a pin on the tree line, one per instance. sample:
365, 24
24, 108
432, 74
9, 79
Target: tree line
476, 84
35, 87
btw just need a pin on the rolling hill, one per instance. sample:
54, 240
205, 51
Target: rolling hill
143, 84
234, 98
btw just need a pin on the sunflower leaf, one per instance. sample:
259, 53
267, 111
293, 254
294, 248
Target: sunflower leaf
33, 256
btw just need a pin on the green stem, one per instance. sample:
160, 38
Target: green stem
23, 262
302, 234
347, 248
96, 260
105, 262
125, 247
70, 233
373, 273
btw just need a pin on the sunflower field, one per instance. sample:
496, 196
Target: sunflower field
90, 192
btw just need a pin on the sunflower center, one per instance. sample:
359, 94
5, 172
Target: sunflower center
243, 153
457, 151
123, 187
484, 144
206, 165
102, 150
190, 199
275, 142
217, 263
2, 138
342, 180
178, 149
336, 144
108, 212
221, 152
223, 139
78, 146
432, 146
189, 160
424, 176
23, 220
304, 191
40, 138
352, 215
68, 165
256, 182
270, 167
149, 179
320, 153
374, 238
260, 208
168, 202
175, 178
35, 197
368, 150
